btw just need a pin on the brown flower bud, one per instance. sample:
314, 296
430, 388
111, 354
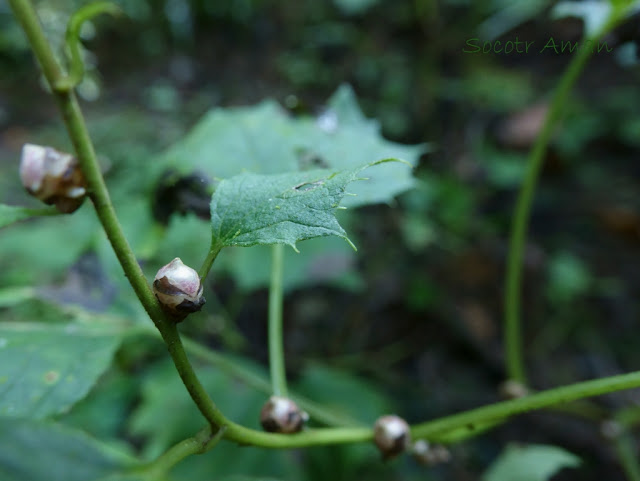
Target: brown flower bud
179, 290
53, 177
282, 415
391, 435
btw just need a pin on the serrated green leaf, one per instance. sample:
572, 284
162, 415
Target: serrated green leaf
36, 451
13, 213
530, 463
45, 368
265, 140
251, 209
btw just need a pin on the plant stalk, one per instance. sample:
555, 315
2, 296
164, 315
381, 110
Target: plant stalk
517, 239
503, 410
276, 344
99, 195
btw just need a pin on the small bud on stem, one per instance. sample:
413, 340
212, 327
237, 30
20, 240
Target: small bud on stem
391, 435
282, 415
178, 289
53, 177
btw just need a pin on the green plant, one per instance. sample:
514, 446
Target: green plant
274, 205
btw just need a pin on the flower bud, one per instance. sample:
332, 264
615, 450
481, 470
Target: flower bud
282, 415
430, 455
53, 177
512, 389
179, 290
391, 435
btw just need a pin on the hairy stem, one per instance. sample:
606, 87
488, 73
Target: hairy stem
276, 345
518, 235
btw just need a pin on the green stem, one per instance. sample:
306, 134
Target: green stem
513, 282
76, 65
503, 410
200, 443
189, 378
76, 127
276, 347
627, 452
214, 250
474, 421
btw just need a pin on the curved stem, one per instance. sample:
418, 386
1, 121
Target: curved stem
76, 127
203, 441
627, 452
189, 378
276, 346
97, 189
214, 250
517, 238
473, 422
76, 65
503, 410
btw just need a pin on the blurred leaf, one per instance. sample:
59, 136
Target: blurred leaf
355, 7
35, 451
491, 87
265, 140
247, 478
44, 369
15, 295
530, 463
103, 412
504, 169
342, 393
593, 13
36, 252
350, 396
13, 213
320, 261
187, 237
569, 278
251, 209
509, 16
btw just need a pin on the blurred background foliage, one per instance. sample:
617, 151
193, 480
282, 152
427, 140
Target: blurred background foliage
417, 330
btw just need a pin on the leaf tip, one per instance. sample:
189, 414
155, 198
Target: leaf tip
353, 246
